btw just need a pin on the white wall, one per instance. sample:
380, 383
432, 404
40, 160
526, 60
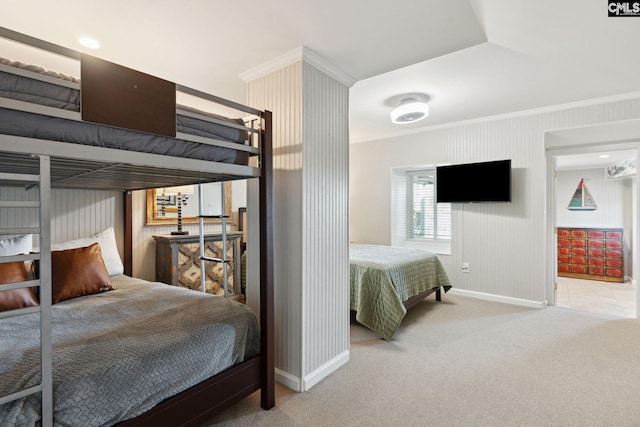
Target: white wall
311, 184
81, 213
504, 242
281, 93
326, 225
74, 213
612, 197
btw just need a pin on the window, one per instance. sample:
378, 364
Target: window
416, 216
426, 218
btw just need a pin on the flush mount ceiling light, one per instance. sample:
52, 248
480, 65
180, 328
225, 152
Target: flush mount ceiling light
410, 110
89, 42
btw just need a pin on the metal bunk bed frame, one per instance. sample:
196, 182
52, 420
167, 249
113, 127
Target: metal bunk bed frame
46, 164
45, 387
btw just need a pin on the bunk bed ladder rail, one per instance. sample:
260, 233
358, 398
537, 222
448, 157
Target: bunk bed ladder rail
44, 283
203, 258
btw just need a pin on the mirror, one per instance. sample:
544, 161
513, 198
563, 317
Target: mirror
159, 213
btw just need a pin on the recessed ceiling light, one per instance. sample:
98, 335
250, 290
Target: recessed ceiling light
89, 42
604, 156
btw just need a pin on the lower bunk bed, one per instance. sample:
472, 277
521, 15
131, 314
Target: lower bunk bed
385, 281
119, 353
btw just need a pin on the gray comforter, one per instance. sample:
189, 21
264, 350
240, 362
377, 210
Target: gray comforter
41, 126
119, 353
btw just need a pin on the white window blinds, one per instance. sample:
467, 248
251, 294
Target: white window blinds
415, 213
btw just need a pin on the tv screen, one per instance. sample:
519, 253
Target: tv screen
474, 182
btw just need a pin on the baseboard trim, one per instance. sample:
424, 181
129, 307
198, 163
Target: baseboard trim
323, 371
498, 298
303, 384
288, 380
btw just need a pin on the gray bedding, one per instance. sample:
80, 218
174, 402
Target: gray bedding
119, 353
18, 123
30, 125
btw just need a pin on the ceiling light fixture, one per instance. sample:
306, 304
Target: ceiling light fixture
410, 110
89, 42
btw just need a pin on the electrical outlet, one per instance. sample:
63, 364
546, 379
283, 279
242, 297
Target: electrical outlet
465, 267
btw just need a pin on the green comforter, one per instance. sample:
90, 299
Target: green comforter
382, 277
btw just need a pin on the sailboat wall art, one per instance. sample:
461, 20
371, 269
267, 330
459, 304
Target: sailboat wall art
582, 199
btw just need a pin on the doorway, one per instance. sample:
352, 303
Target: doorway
579, 284
594, 210
574, 159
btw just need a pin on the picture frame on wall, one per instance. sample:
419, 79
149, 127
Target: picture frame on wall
169, 200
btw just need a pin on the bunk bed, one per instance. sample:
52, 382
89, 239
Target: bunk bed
128, 135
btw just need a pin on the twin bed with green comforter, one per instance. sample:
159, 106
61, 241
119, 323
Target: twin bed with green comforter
385, 279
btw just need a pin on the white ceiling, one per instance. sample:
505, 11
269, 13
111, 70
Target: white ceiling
598, 160
472, 58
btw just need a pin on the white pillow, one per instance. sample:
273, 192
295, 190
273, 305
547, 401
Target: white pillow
16, 245
108, 247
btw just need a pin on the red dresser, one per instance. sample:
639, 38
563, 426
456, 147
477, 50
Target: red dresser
591, 253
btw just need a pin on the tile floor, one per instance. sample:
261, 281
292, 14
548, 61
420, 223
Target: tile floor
615, 299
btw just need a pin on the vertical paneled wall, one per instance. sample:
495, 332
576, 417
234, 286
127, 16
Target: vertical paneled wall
502, 242
18, 217
310, 113
610, 196
281, 93
81, 213
325, 219
74, 213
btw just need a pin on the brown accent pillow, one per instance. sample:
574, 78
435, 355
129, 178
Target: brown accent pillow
12, 272
78, 272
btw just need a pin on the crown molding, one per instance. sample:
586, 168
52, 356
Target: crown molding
312, 58
299, 54
272, 65
534, 111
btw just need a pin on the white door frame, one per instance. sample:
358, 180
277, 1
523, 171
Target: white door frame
584, 140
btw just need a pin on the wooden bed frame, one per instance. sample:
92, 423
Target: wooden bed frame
408, 303
195, 405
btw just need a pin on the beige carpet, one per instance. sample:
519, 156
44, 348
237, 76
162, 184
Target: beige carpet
468, 362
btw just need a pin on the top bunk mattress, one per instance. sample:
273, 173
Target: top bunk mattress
16, 122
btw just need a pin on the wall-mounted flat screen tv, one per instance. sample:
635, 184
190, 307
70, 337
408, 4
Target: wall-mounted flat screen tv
474, 182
